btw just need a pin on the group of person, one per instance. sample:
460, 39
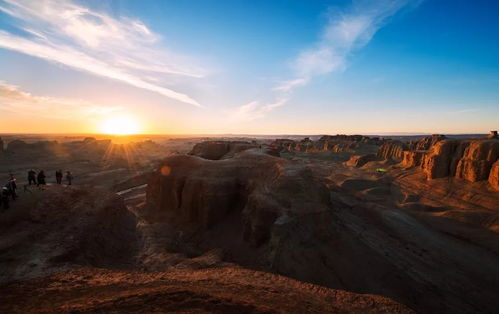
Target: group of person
39, 179
9, 190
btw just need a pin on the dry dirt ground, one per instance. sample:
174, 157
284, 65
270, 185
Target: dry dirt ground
75, 249
223, 289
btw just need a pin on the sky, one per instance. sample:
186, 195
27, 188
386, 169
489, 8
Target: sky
249, 67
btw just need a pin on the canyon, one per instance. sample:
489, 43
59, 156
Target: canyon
349, 223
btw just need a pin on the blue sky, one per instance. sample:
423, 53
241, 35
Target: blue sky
260, 67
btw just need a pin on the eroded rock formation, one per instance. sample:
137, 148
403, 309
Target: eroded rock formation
427, 142
259, 186
216, 150
438, 156
334, 143
275, 214
494, 175
360, 160
392, 150
477, 160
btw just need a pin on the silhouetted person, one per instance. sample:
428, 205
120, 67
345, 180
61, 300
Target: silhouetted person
32, 177
58, 176
5, 198
41, 178
12, 186
69, 177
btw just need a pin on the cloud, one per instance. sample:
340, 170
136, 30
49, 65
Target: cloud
256, 110
286, 86
122, 49
345, 32
13, 99
463, 111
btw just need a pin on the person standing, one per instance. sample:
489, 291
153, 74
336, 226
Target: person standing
58, 176
41, 178
12, 187
69, 177
32, 177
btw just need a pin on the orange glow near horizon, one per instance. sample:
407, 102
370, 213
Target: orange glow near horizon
120, 125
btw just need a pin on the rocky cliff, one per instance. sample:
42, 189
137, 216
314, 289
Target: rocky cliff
477, 160
334, 143
494, 175
438, 157
392, 150
260, 187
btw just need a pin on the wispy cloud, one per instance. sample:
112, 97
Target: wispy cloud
346, 31
123, 49
255, 109
463, 111
13, 99
288, 85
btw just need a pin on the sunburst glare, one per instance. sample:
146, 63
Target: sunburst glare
120, 125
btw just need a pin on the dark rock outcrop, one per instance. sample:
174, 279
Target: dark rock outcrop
216, 150
63, 228
261, 187
334, 143
360, 160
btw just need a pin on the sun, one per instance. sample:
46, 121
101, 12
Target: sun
120, 125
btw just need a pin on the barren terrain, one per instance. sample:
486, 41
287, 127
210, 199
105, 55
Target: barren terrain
253, 225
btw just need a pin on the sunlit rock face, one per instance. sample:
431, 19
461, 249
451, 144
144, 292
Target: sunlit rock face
438, 157
494, 175
477, 160
427, 142
392, 150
